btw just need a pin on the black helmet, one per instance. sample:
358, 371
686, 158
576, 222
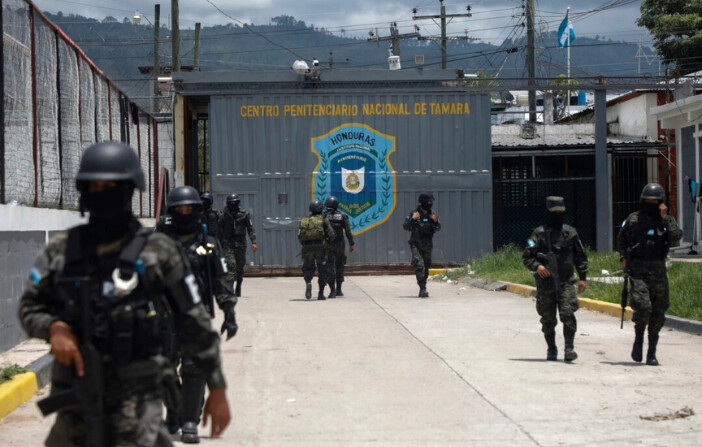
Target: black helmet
653, 191
110, 160
332, 203
233, 198
206, 196
183, 195
316, 207
426, 197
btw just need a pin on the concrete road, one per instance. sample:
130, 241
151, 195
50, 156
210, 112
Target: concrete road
464, 367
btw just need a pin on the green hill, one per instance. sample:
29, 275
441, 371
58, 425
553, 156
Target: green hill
120, 47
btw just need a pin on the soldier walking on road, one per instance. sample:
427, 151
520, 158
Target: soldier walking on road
315, 233
422, 223
205, 256
643, 243
553, 252
210, 215
234, 225
99, 294
336, 259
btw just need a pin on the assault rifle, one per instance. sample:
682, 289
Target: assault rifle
625, 298
86, 393
551, 263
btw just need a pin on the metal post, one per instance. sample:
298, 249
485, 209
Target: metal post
197, 47
175, 36
530, 60
156, 71
443, 34
603, 199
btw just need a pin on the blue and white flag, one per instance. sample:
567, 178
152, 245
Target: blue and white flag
566, 33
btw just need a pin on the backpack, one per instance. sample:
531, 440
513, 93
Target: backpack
312, 228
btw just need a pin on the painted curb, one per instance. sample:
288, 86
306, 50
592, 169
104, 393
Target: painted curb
17, 391
677, 323
433, 272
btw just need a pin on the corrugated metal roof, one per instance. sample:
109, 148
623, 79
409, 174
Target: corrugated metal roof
557, 136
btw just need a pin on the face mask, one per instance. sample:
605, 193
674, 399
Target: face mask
234, 207
427, 206
184, 223
107, 203
650, 209
206, 205
554, 220
110, 229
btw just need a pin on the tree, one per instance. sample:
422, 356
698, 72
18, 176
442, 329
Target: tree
562, 96
676, 26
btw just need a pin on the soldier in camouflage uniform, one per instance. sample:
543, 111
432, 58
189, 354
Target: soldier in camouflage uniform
205, 256
233, 226
210, 216
131, 276
315, 233
422, 223
643, 243
562, 240
336, 255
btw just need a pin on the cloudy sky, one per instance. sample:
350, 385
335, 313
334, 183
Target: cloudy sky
492, 20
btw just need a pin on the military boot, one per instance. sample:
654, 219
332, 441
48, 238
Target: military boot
652, 344
190, 435
320, 295
637, 349
338, 288
308, 290
423, 289
552, 351
569, 336
332, 291
237, 289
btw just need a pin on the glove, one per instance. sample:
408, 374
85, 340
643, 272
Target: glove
229, 324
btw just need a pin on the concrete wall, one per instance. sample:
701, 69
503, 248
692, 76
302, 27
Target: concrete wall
23, 234
633, 117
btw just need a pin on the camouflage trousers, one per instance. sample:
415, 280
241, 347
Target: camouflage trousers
136, 421
314, 256
235, 256
548, 303
421, 261
336, 261
649, 298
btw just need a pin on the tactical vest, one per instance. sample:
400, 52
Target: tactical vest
211, 219
562, 246
336, 219
312, 228
127, 322
234, 224
651, 242
203, 268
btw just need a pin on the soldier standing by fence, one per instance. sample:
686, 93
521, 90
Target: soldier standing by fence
553, 252
210, 215
643, 243
234, 225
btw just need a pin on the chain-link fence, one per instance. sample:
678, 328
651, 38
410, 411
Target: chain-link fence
56, 103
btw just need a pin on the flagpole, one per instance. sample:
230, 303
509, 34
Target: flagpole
568, 57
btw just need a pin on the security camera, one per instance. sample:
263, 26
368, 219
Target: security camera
300, 67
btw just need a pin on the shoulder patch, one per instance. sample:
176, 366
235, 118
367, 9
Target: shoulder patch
35, 275
531, 243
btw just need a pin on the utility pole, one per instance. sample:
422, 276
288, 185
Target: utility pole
175, 37
197, 47
156, 71
394, 37
443, 16
530, 60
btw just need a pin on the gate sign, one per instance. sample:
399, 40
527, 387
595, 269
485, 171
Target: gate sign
354, 166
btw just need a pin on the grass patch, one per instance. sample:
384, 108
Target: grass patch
506, 265
8, 372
